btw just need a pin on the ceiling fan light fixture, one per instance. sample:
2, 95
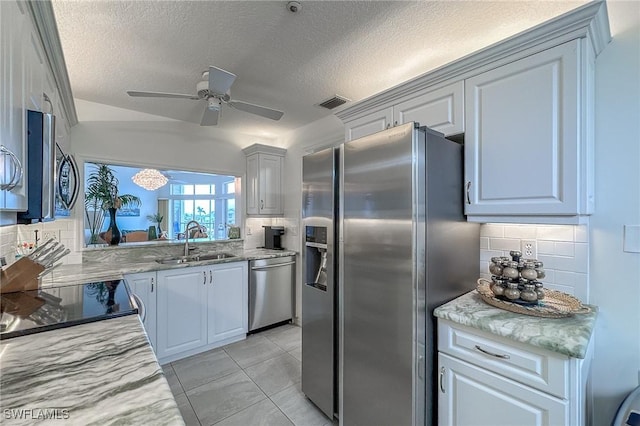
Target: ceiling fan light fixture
214, 104
149, 179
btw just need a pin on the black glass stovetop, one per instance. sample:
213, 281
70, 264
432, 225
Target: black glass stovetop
46, 309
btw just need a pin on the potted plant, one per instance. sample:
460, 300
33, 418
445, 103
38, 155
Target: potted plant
156, 218
101, 195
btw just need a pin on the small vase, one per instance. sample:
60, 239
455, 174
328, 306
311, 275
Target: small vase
113, 227
151, 234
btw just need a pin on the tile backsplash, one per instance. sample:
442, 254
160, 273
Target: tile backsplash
564, 249
64, 230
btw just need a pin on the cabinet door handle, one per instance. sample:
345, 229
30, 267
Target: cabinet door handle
151, 285
501, 356
262, 204
210, 277
468, 191
442, 371
205, 277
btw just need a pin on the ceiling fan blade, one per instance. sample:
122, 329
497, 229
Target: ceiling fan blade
257, 110
161, 95
220, 81
210, 117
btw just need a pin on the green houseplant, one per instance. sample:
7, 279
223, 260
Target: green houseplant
101, 195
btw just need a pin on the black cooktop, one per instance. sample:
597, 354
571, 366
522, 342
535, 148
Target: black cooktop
46, 309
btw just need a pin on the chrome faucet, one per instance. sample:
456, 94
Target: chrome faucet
186, 235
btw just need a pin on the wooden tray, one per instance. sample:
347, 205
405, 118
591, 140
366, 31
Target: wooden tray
555, 304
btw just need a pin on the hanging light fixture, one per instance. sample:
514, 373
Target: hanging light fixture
149, 179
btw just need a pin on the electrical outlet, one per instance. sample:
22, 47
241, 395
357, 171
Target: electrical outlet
248, 230
51, 233
529, 249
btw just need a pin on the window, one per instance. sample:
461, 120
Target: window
212, 205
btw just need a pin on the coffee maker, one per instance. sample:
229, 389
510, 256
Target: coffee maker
273, 237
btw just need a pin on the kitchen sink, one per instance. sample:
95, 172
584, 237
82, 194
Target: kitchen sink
212, 256
194, 258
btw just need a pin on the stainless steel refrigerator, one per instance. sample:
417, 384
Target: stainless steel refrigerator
385, 243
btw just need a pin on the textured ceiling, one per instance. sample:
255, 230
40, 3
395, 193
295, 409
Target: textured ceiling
282, 60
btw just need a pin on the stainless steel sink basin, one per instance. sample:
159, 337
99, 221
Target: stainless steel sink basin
212, 256
194, 258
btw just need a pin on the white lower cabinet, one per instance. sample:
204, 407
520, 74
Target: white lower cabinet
182, 311
144, 286
194, 309
484, 379
471, 395
227, 301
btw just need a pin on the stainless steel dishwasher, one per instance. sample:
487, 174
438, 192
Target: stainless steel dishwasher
271, 291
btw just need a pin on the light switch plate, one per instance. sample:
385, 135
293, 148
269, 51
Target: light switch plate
631, 239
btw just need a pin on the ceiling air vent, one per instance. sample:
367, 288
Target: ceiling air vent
333, 102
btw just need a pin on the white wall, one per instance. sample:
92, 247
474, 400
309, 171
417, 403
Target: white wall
615, 275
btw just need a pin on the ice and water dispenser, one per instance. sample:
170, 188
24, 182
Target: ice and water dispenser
316, 257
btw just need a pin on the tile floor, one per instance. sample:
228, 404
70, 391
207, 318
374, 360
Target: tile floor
252, 382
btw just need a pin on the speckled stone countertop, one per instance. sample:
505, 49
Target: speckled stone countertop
115, 268
568, 336
100, 373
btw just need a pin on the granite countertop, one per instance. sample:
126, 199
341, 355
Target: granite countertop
568, 336
99, 271
99, 373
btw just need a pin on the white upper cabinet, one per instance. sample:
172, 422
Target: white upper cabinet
440, 109
15, 38
31, 64
264, 180
369, 124
525, 106
525, 148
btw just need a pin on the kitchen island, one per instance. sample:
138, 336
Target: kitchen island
99, 373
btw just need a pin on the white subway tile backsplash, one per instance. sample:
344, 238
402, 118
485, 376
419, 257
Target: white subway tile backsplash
581, 233
492, 230
564, 249
525, 232
484, 243
486, 255
582, 257
555, 233
565, 278
506, 244
546, 247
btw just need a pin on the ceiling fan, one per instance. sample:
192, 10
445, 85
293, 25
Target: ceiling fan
215, 90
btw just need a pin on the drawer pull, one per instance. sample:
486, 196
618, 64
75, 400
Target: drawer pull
442, 371
492, 354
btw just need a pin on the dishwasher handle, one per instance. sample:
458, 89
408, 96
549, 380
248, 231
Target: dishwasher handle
259, 268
